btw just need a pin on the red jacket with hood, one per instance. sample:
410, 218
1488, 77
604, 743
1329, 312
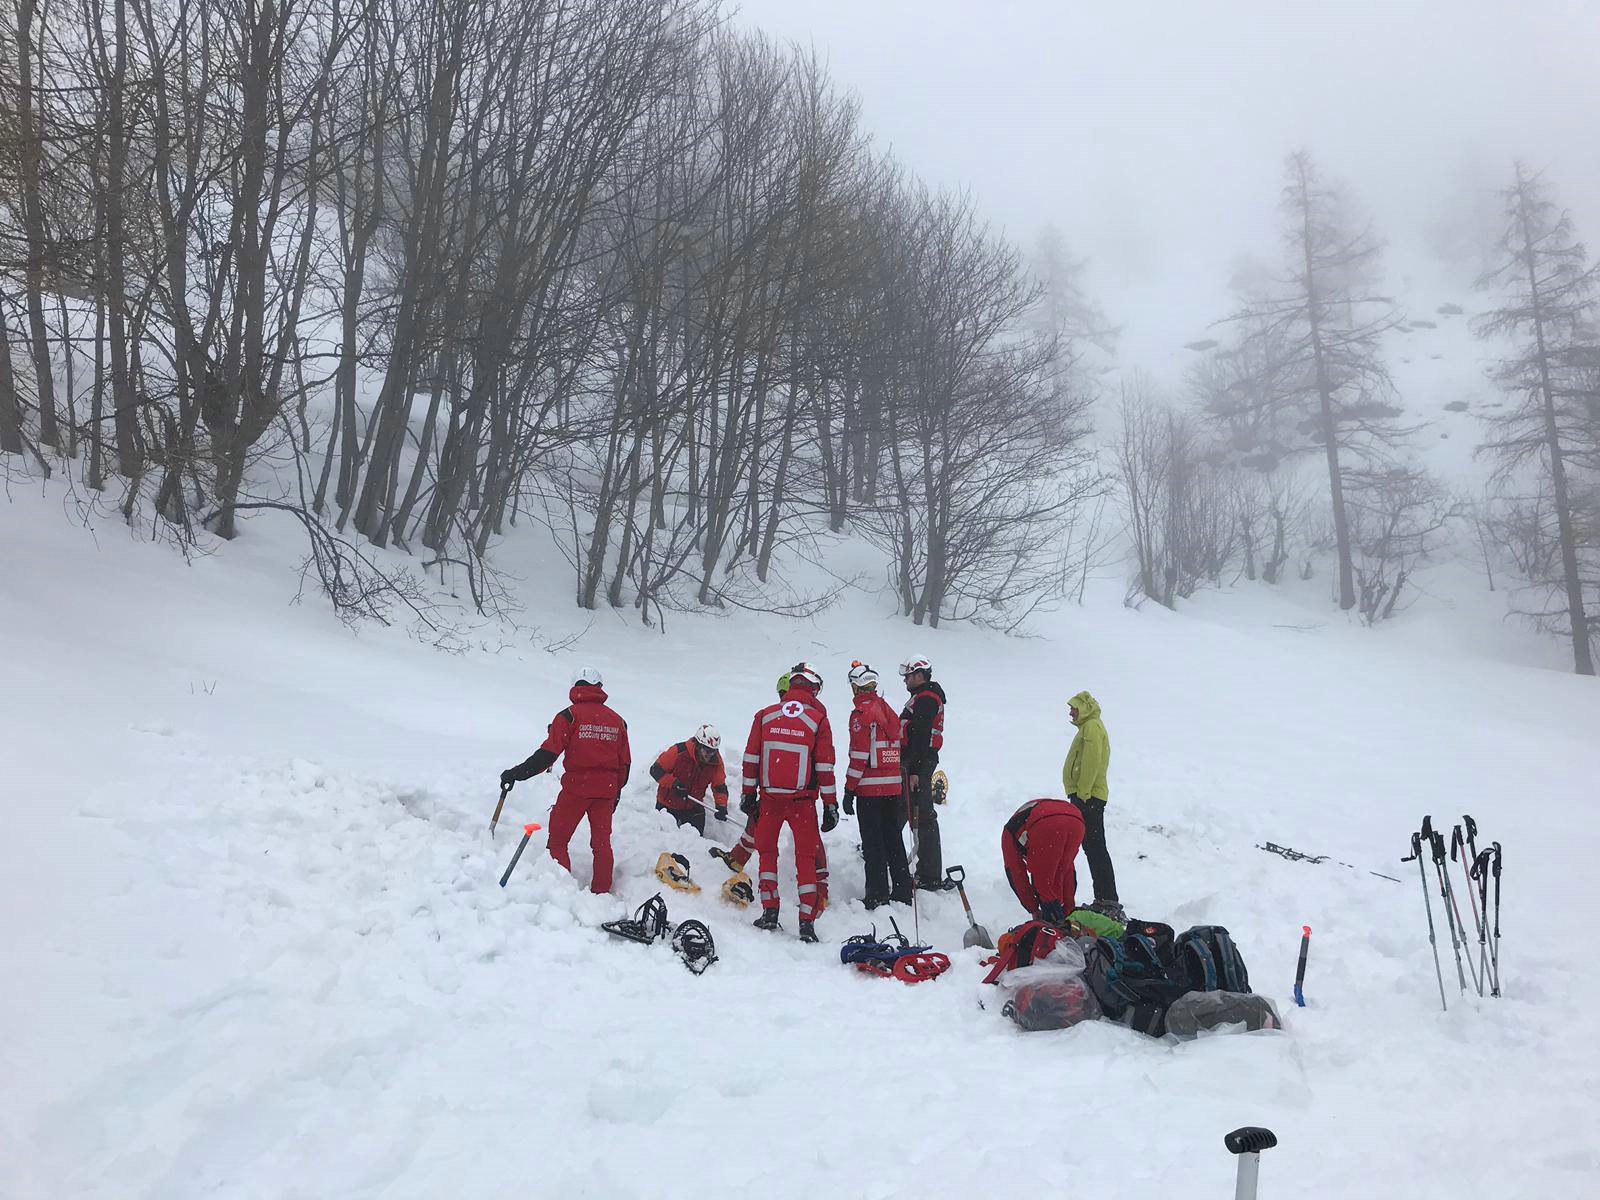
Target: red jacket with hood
592, 740
789, 754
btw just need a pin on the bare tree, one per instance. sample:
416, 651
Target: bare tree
1547, 288
1308, 356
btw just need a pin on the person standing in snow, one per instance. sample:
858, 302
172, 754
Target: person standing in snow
1040, 847
788, 766
922, 737
739, 857
684, 771
1084, 776
594, 741
873, 784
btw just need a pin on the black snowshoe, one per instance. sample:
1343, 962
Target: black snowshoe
648, 924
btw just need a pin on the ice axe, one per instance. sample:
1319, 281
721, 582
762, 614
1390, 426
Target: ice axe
505, 790
976, 934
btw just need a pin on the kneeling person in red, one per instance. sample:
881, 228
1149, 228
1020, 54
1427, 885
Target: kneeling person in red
788, 764
684, 771
594, 741
1040, 845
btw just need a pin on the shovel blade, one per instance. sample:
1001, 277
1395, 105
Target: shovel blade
977, 935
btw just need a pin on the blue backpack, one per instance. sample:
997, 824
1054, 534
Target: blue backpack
1206, 960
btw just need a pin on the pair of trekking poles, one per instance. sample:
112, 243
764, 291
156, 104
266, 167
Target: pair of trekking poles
1477, 868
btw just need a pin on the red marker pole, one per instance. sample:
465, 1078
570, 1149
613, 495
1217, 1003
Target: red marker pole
1300, 971
528, 831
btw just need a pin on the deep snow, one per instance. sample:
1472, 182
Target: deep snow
256, 946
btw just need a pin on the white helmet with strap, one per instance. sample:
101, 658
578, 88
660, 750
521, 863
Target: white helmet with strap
862, 677
914, 664
708, 737
588, 675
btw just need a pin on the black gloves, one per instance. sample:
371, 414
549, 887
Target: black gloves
680, 789
1053, 912
750, 806
849, 804
722, 812
507, 778
830, 816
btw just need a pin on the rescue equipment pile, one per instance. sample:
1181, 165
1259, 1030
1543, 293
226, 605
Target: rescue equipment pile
1142, 975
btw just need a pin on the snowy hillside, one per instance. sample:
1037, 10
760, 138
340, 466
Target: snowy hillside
257, 948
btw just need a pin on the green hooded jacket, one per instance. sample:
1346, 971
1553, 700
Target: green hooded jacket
1084, 774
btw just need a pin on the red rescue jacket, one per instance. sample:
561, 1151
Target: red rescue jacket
874, 748
680, 763
594, 741
789, 754
1040, 847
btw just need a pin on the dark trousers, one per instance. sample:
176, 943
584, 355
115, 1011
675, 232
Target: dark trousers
1094, 848
880, 820
693, 815
930, 854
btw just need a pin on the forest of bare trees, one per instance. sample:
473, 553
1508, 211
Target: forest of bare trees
420, 270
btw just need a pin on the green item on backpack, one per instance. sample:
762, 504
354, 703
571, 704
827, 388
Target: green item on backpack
1095, 923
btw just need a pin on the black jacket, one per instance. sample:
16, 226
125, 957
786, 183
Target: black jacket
919, 757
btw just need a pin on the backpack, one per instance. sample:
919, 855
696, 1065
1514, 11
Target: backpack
1198, 1012
1208, 961
1051, 1004
1028, 943
1131, 982
1161, 937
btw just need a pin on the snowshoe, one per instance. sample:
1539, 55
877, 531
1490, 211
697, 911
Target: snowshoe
738, 890
808, 931
939, 787
768, 920
727, 859
692, 941
645, 926
673, 870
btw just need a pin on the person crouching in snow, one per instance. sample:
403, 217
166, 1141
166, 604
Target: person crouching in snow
1040, 846
739, 857
1084, 776
873, 785
788, 766
594, 741
684, 771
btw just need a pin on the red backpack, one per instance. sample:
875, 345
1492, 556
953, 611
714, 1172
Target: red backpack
1023, 946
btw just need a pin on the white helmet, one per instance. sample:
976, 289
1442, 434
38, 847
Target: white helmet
862, 676
708, 737
804, 670
590, 676
916, 663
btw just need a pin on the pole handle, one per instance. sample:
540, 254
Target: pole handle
1250, 1139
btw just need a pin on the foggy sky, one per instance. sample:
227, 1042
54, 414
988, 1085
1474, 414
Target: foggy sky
1153, 133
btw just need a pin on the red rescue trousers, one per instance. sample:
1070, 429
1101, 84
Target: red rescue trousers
746, 849
800, 815
1045, 870
564, 820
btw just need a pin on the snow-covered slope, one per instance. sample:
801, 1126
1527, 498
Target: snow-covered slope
255, 944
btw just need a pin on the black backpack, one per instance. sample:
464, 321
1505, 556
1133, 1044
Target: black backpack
1208, 961
1131, 982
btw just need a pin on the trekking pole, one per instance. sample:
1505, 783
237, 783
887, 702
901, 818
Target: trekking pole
1459, 843
1300, 971
1480, 873
1427, 904
1460, 926
505, 790
1247, 1144
528, 831
1435, 841
1496, 952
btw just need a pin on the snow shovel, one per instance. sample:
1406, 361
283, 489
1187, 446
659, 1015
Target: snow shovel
976, 934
